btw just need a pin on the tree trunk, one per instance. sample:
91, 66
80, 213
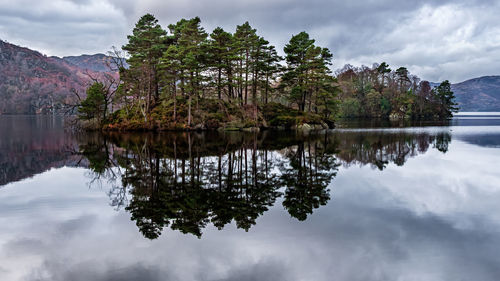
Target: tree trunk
267, 88
189, 111
174, 89
246, 77
230, 83
219, 83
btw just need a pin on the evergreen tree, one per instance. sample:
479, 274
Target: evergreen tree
271, 67
191, 40
221, 54
445, 98
145, 47
94, 106
307, 73
383, 69
246, 39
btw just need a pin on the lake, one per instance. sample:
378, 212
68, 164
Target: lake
367, 201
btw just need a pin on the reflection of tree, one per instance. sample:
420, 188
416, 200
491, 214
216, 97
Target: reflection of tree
187, 180
184, 186
379, 148
442, 142
307, 177
98, 152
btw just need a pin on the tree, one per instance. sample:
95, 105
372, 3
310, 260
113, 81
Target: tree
246, 38
94, 106
296, 72
221, 55
145, 46
446, 100
382, 69
403, 78
270, 69
190, 43
424, 100
307, 71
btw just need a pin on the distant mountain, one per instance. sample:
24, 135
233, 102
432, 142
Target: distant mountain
32, 83
478, 94
97, 62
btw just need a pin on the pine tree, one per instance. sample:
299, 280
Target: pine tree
446, 100
307, 72
94, 106
191, 42
246, 39
145, 47
220, 57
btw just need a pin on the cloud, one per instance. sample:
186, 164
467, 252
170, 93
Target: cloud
62, 27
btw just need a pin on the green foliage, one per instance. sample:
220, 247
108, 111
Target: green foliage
385, 106
445, 98
307, 76
147, 42
94, 105
374, 103
381, 92
279, 115
350, 108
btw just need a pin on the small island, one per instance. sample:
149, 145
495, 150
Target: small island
187, 79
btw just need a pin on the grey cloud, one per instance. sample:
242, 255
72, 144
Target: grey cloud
61, 27
91, 271
267, 269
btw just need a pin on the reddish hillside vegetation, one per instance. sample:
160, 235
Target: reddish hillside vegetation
32, 83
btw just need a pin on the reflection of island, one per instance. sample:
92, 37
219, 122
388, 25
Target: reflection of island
187, 180
379, 148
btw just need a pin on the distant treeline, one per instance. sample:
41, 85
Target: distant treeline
381, 92
188, 79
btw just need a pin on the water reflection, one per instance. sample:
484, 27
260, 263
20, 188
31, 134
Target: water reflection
186, 181
30, 146
415, 203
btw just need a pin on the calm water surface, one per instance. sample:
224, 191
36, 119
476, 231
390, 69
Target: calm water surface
364, 202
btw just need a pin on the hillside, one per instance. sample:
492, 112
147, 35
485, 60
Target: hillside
97, 62
478, 94
32, 83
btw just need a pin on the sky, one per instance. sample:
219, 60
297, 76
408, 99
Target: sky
436, 40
